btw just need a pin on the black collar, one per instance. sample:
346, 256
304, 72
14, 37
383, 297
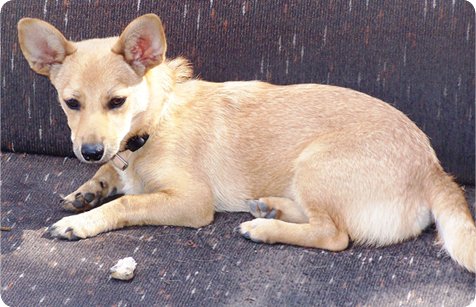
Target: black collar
120, 160
136, 142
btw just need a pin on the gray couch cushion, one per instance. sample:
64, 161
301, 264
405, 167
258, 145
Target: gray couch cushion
416, 55
206, 267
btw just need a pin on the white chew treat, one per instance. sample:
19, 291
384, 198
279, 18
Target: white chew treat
124, 269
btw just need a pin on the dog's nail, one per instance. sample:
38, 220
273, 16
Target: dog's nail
77, 195
102, 184
52, 230
247, 235
69, 234
89, 197
68, 206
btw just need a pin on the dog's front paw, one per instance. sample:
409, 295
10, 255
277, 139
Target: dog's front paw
257, 230
83, 199
73, 228
79, 202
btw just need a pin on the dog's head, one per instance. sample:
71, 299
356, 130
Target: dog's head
100, 82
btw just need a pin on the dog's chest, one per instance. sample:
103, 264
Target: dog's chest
229, 189
131, 182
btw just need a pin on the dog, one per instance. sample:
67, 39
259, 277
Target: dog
316, 165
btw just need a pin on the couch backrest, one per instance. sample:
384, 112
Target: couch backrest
416, 55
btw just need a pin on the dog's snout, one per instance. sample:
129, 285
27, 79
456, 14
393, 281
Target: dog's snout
92, 152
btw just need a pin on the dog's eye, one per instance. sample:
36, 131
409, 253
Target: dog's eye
116, 102
73, 104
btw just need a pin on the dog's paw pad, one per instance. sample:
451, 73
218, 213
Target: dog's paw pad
89, 197
260, 209
79, 202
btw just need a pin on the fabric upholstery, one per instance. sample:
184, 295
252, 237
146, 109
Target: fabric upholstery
212, 266
416, 55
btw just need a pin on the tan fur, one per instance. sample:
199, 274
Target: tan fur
331, 164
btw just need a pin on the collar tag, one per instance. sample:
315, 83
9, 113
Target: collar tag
133, 144
120, 162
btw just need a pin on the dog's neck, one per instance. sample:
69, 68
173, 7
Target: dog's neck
161, 82
134, 143
146, 123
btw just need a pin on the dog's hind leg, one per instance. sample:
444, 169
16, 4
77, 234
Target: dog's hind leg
317, 229
321, 233
279, 208
104, 186
318, 201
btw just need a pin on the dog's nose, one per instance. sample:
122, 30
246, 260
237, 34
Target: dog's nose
92, 152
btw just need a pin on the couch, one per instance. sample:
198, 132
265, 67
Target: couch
417, 55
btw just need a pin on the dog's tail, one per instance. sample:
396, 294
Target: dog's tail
455, 224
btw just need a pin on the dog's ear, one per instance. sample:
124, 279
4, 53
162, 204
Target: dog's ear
142, 43
42, 44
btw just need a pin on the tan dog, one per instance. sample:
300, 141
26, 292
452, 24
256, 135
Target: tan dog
317, 165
